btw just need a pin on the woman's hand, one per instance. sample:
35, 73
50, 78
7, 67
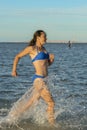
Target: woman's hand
14, 74
51, 59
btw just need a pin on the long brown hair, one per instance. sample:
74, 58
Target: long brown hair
37, 33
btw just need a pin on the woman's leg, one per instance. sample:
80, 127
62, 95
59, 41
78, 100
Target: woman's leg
40, 90
22, 108
45, 94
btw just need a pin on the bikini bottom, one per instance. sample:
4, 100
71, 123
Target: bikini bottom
37, 76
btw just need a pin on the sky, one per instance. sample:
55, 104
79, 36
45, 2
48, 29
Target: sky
62, 20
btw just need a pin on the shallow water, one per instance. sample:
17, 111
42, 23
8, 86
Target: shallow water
67, 82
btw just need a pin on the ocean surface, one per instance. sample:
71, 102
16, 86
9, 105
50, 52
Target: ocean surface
67, 82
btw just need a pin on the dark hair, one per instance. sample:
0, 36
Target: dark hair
37, 33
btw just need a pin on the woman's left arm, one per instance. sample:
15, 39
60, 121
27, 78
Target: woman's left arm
51, 59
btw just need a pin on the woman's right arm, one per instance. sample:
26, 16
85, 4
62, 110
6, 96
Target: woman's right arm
26, 51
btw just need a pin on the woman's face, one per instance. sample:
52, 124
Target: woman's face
42, 38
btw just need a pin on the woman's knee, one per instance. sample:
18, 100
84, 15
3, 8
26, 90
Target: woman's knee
51, 104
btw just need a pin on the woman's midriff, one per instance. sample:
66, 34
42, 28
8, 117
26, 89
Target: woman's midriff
41, 68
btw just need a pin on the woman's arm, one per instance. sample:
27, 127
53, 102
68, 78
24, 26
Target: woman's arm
26, 51
51, 59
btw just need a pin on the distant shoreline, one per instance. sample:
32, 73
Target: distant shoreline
47, 42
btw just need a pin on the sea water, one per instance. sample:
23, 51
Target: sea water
67, 81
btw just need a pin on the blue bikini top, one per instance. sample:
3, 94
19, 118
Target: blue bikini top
41, 56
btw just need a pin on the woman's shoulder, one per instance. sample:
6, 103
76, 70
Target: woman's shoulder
30, 48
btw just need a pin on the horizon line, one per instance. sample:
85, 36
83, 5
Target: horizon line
46, 42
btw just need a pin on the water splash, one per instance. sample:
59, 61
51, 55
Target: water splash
70, 111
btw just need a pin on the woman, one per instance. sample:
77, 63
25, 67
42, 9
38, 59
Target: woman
41, 60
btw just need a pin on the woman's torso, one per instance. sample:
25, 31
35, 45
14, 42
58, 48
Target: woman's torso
40, 61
